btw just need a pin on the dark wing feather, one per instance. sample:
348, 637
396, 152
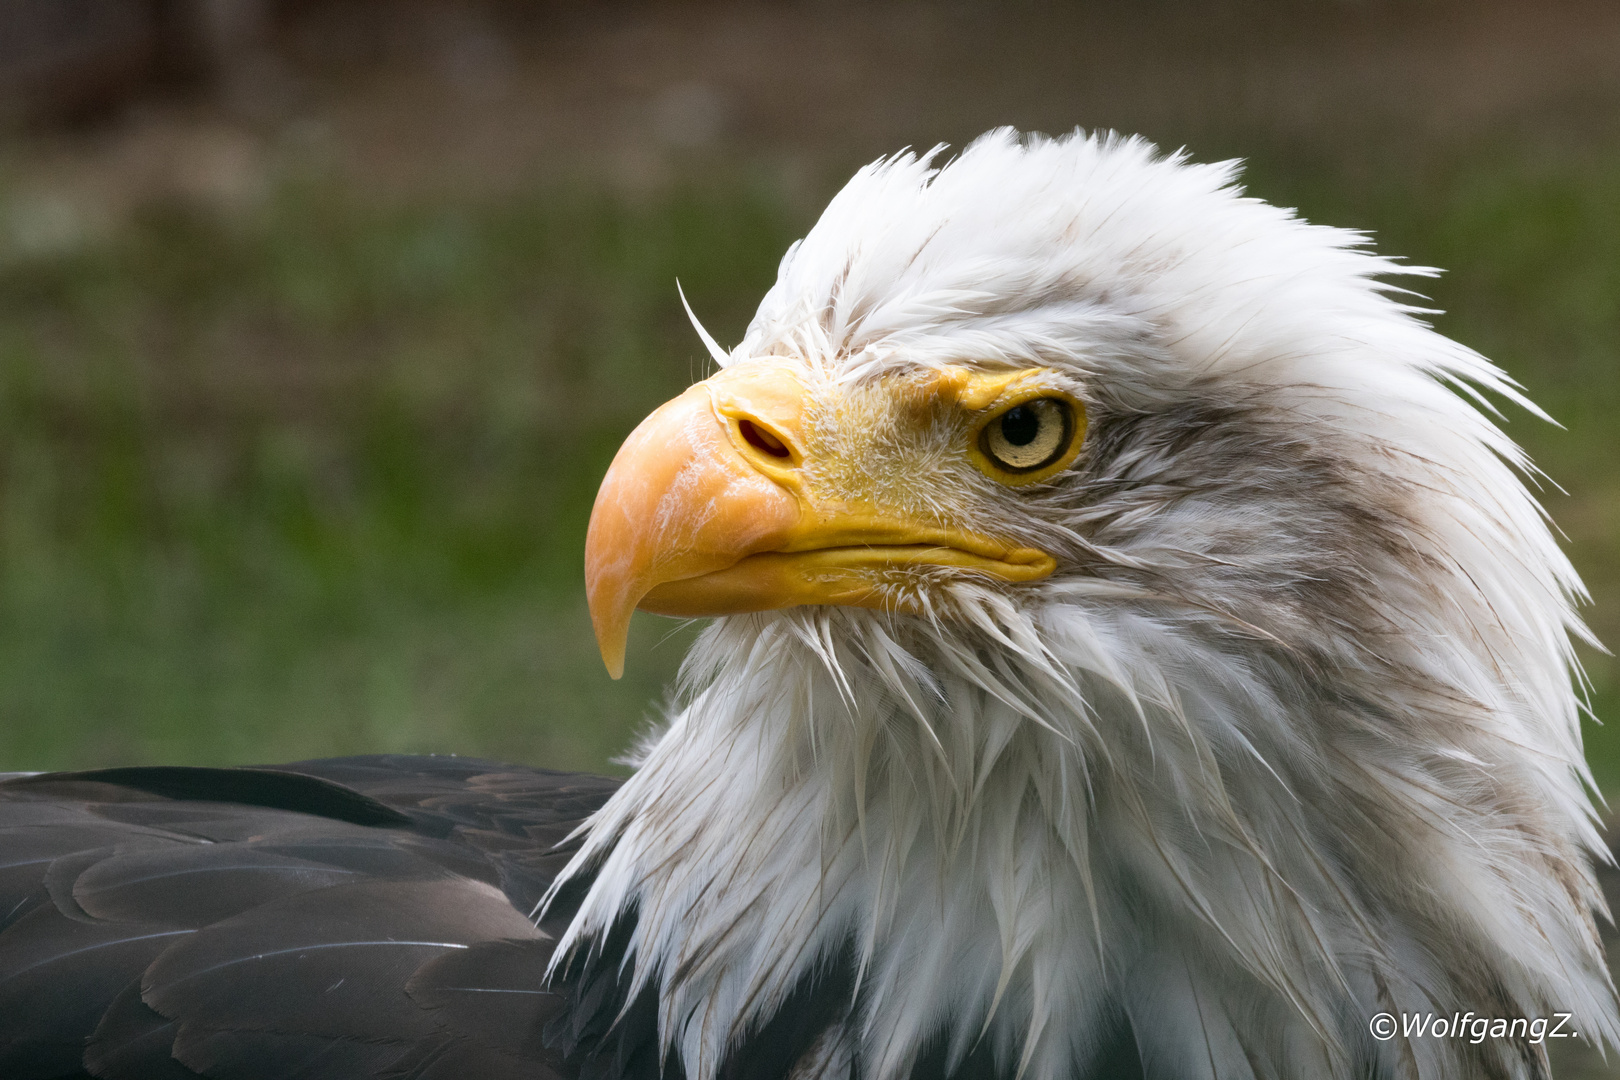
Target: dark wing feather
363, 917
271, 788
280, 1055
339, 920
459, 1060
133, 1043
314, 962
196, 885
57, 976
494, 991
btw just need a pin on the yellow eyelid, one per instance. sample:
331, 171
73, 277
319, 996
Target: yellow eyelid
1034, 390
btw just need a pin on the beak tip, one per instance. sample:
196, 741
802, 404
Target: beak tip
611, 642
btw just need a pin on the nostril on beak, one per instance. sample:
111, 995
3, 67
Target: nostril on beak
762, 439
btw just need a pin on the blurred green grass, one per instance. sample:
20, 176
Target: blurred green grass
317, 482
314, 479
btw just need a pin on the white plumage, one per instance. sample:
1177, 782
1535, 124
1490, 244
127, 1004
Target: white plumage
1288, 740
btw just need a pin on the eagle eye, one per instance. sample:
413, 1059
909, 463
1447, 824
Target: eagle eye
1029, 436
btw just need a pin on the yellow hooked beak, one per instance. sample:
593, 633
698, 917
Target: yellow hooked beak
705, 511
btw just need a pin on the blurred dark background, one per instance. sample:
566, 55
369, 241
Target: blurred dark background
319, 321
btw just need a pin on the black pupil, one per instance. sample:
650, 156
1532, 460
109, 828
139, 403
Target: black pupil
1020, 425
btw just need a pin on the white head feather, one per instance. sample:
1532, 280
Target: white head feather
1289, 740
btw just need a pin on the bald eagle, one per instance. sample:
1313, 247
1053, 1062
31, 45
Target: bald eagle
1135, 654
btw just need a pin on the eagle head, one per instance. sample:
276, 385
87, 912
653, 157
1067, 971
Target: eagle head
1131, 626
